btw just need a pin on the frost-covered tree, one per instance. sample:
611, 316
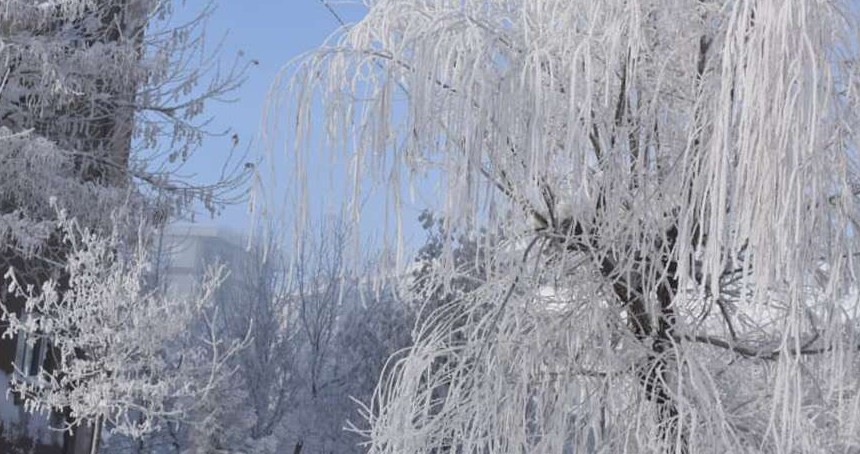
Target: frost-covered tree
320, 337
253, 304
107, 97
323, 290
676, 186
92, 94
100, 103
122, 354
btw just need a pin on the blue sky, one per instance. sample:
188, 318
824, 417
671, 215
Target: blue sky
272, 33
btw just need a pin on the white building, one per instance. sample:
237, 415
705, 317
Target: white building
188, 249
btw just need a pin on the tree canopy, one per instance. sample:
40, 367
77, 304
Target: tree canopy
100, 104
676, 183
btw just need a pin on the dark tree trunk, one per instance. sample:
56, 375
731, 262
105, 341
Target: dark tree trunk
654, 375
632, 292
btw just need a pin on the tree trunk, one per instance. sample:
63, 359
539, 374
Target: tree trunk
654, 377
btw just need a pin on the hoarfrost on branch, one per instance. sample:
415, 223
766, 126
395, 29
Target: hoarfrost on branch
676, 184
121, 353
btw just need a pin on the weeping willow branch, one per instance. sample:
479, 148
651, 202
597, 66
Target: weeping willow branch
664, 158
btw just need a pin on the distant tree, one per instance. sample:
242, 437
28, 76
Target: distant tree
259, 306
676, 187
319, 334
448, 267
320, 338
323, 288
253, 304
